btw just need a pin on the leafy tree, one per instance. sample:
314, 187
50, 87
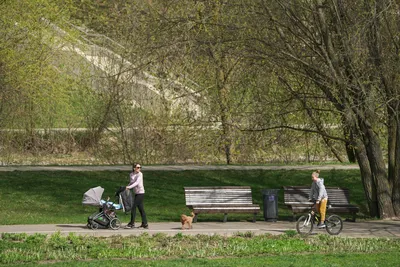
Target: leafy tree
31, 87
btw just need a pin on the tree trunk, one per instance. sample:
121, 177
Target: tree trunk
366, 178
392, 136
124, 140
225, 114
226, 137
351, 153
378, 168
396, 181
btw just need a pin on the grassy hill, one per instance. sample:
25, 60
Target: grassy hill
55, 196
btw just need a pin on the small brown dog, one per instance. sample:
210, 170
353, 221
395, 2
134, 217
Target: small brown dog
187, 220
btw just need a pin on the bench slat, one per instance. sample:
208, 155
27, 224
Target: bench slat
196, 203
225, 210
224, 199
227, 206
296, 198
215, 187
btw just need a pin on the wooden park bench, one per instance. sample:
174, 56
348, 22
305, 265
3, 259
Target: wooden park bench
221, 199
296, 199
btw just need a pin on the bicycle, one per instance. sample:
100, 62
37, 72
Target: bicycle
305, 224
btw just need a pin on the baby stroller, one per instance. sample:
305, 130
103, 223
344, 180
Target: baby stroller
106, 217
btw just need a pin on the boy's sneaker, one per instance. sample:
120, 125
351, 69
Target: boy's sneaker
321, 225
130, 226
145, 226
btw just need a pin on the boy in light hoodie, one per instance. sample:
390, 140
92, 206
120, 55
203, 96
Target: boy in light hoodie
318, 193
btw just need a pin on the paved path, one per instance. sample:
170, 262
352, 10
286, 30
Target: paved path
178, 167
388, 229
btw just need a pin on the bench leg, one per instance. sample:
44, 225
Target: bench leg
195, 218
225, 217
254, 217
352, 219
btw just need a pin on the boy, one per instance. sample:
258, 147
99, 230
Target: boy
320, 196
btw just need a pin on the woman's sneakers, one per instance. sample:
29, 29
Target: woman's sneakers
145, 226
321, 225
130, 226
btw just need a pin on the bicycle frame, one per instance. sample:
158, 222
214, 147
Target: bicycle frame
310, 218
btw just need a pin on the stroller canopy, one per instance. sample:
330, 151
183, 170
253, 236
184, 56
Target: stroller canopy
93, 196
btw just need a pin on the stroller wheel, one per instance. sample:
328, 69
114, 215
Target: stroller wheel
94, 226
115, 224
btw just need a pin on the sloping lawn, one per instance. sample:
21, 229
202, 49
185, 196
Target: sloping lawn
40, 197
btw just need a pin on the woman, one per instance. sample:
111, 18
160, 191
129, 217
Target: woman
319, 195
136, 183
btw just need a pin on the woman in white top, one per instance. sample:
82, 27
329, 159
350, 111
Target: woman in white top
136, 183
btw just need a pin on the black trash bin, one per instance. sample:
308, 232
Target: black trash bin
270, 197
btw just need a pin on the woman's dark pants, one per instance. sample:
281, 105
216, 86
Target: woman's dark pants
138, 202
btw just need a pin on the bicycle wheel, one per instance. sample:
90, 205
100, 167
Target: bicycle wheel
305, 225
334, 225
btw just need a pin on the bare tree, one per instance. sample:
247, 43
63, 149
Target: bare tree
338, 47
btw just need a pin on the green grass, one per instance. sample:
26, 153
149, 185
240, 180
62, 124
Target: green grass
197, 250
361, 259
55, 196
